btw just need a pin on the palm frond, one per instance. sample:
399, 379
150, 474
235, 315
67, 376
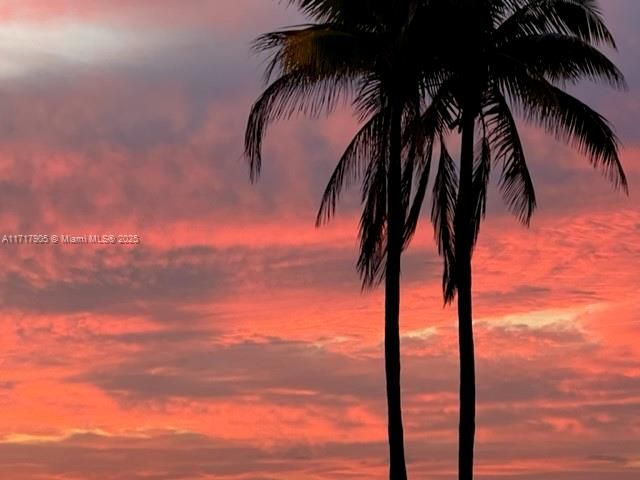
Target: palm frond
581, 18
570, 120
419, 136
371, 96
327, 10
364, 147
562, 58
408, 169
363, 13
373, 224
298, 92
481, 174
324, 48
445, 194
515, 183
412, 151
415, 205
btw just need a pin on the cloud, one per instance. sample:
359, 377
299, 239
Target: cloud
235, 342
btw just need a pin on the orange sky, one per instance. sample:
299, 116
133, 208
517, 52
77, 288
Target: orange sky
233, 342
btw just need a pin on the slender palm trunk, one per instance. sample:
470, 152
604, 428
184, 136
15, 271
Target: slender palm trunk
397, 466
464, 239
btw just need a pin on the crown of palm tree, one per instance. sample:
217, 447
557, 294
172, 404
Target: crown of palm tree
495, 57
366, 52
515, 56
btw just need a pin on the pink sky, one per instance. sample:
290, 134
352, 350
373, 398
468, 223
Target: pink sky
234, 342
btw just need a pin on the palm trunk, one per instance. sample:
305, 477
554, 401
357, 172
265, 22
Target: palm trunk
464, 239
395, 219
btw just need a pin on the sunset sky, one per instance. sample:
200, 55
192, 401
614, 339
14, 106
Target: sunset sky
234, 343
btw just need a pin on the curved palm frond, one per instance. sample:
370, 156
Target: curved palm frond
300, 91
516, 184
481, 173
371, 96
363, 13
327, 10
414, 207
420, 136
570, 120
580, 18
324, 48
408, 172
373, 223
445, 195
366, 145
562, 58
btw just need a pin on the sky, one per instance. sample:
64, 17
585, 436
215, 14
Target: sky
233, 342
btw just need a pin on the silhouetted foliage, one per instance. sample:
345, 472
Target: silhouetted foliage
369, 52
501, 57
417, 72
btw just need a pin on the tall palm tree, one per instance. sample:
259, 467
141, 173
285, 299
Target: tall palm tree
371, 52
502, 56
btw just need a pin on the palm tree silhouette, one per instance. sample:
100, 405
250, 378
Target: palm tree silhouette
508, 54
371, 52
475, 62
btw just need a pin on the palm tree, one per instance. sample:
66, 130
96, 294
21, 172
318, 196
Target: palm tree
369, 51
509, 55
